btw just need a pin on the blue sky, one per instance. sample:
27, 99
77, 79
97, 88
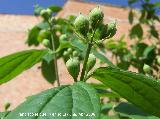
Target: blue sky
27, 6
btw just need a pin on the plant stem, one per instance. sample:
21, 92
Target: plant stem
55, 58
89, 46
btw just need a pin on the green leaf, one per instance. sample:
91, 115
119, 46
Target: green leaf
157, 4
148, 50
140, 48
43, 25
109, 117
149, 54
138, 89
106, 93
55, 8
32, 36
154, 32
129, 110
103, 58
49, 56
14, 64
116, 45
103, 92
71, 100
48, 71
63, 46
130, 2
136, 31
123, 65
130, 17
4, 114
105, 108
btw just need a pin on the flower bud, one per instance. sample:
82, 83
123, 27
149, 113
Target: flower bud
43, 34
158, 60
96, 17
75, 54
73, 66
46, 43
111, 29
81, 24
91, 62
65, 54
46, 13
147, 68
53, 20
63, 38
69, 50
101, 32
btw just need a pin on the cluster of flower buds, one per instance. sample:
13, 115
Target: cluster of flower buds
73, 63
44, 35
70, 53
46, 13
94, 21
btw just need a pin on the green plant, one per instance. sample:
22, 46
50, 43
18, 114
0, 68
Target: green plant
144, 44
81, 100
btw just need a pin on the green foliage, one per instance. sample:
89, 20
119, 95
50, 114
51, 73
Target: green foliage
136, 31
109, 117
97, 54
32, 36
129, 110
138, 89
144, 46
74, 99
104, 91
80, 40
14, 64
55, 9
7, 105
4, 114
48, 72
131, 17
81, 46
45, 33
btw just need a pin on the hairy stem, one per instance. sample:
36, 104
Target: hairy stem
55, 58
89, 46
